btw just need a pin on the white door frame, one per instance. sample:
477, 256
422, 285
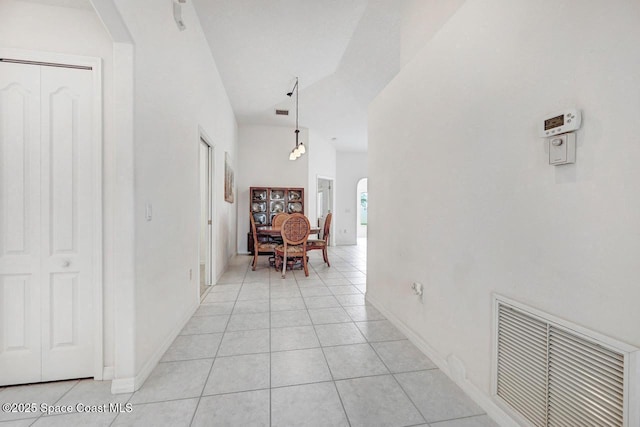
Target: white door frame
332, 236
202, 136
96, 70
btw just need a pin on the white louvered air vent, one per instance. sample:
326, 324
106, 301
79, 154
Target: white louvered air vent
522, 363
554, 374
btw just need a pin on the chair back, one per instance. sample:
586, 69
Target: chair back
295, 229
279, 219
327, 227
253, 230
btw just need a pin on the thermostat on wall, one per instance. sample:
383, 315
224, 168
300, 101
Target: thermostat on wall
561, 122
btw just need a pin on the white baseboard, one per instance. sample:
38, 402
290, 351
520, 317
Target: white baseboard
453, 368
129, 385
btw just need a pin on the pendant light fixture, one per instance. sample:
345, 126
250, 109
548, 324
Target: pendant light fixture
299, 149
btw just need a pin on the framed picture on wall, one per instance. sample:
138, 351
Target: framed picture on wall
228, 179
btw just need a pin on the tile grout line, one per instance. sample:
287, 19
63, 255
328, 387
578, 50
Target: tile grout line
333, 380
298, 284
270, 359
58, 400
408, 397
204, 386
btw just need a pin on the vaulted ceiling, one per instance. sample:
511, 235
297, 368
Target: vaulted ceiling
343, 51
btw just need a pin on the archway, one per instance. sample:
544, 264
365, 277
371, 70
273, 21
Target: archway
362, 208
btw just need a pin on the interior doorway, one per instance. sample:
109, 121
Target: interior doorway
206, 209
324, 202
362, 197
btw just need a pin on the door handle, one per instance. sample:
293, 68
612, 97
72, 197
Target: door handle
66, 263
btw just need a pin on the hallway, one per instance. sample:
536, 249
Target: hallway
264, 351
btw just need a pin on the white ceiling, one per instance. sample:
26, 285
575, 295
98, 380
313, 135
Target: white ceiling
76, 4
343, 51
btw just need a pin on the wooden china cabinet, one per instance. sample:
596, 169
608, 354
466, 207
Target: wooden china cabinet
267, 202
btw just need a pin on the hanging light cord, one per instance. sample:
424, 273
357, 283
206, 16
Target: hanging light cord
299, 149
297, 129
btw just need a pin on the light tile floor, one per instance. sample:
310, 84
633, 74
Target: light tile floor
267, 351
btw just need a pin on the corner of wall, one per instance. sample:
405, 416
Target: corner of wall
451, 366
132, 384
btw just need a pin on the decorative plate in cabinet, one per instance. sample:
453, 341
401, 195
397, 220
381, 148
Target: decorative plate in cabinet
260, 218
295, 207
277, 194
259, 206
259, 195
277, 207
294, 195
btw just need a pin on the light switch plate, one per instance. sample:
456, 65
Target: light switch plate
562, 149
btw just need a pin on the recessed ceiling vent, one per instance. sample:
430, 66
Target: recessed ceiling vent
554, 373
282, 112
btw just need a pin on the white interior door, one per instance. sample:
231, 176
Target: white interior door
46, 218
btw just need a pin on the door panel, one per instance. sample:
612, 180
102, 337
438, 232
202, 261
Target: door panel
67, 342
64, 311
15, 102
20, 276
15, 293
62, 138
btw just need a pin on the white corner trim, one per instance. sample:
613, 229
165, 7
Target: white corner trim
130, 385
122, 385
108, 373
455, 372
110, 16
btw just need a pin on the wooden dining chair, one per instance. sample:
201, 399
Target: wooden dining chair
279, 219
295, 232
264, 248
323, 243
277, 222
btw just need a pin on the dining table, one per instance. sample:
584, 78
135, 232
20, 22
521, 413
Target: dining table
275, 231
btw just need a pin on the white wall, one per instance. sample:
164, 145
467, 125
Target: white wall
322, 162
467, 203
421, 19
34, 26
351, 167
263, 161
177, 89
